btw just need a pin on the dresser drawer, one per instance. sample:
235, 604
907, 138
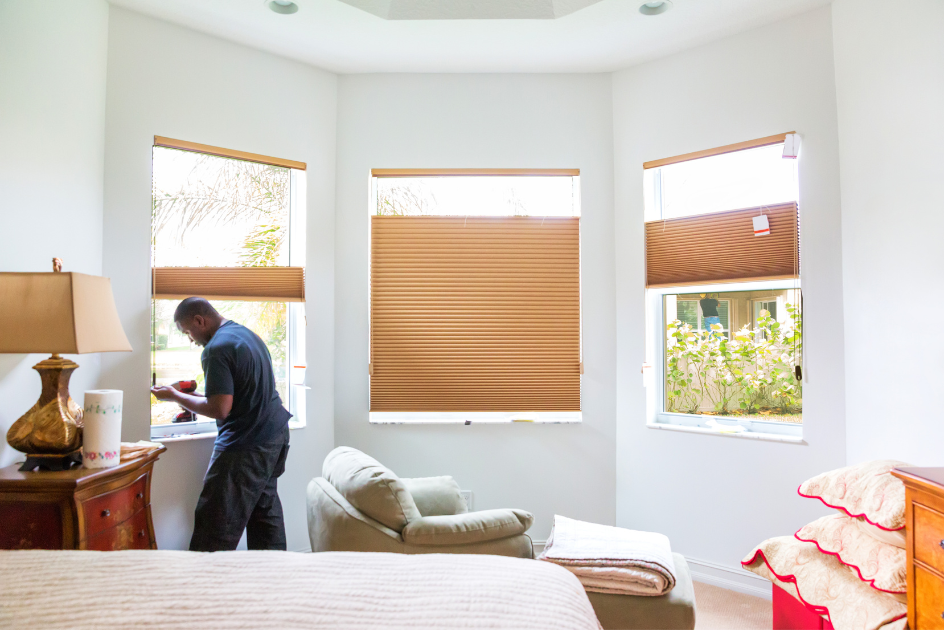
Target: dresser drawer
929, 536
929, 600
30, 525
107, 510
131, 534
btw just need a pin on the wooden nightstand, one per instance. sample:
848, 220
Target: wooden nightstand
924, 520
105, 509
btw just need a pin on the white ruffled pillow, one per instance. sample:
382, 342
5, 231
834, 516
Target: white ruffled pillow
883, 567
824, 585
865, 491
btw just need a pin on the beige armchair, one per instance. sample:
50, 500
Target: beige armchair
359, 505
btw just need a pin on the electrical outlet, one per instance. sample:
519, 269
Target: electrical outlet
467, 495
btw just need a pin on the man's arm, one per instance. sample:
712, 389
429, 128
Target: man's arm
217, 406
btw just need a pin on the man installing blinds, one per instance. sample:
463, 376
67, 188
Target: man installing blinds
240, 489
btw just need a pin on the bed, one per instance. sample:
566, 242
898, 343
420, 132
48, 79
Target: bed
259, 589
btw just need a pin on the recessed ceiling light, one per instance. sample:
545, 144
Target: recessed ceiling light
655, 8
285, 7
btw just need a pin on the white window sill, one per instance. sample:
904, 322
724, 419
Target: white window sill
544, 417
723, 432
197, 432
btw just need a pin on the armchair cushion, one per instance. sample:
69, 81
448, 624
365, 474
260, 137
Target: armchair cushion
370, 487
471, 527
436, 496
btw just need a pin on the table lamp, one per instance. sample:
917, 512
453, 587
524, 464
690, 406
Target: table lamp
58, 313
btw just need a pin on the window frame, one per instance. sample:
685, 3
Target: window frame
466, 418
296, 358
656, 415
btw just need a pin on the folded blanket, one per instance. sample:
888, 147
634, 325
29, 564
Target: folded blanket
612, 559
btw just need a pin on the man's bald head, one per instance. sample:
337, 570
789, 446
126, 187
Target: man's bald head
196, 318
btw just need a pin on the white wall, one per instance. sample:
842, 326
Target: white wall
890, 90
495, 121
717, 497
169, 81
52, 118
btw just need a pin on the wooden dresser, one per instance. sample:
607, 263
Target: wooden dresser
104, 509
924, 519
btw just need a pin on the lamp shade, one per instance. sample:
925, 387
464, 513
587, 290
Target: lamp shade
58, 313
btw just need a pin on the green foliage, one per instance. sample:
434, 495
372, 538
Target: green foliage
753, 371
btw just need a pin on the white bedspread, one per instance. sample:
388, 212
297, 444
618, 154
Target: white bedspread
265, 589
612, 559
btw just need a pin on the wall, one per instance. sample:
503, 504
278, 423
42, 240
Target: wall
890, 91
51, 161
717, 497
498, 121
170, 81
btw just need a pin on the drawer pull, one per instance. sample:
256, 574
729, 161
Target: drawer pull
140, 495
942, 547
141, 534
106, 513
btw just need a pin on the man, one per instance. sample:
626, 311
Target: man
240, 489
709, 311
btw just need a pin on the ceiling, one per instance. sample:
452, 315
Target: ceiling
602, 37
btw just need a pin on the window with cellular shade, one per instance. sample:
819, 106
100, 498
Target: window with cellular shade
264, 284
474, 314
722, 247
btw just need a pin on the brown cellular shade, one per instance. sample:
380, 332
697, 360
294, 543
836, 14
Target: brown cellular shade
475, 314
254, 284
721, 247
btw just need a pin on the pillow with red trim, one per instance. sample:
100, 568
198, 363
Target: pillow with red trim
826, 587
896, 538
865, 490
881, 566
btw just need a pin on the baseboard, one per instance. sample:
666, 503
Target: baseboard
732, 579
538, 546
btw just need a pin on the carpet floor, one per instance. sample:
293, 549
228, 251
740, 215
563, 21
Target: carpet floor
721, 609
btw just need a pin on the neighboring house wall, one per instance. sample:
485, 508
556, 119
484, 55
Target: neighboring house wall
53, 56
890, 85
171, 81
717, 497
484, 121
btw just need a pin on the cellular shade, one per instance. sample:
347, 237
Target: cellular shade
475, 314
722, 247
61, 313
260, 284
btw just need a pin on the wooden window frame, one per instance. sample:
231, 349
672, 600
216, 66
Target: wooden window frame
245, 284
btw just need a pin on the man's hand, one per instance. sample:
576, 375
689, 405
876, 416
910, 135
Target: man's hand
217, 406
164, 392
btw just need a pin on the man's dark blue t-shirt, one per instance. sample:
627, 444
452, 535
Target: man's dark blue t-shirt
237, 362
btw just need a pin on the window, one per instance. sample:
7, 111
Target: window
725, 311
475, 296
227, 226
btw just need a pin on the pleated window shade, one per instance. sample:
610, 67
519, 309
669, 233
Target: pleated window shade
254, 284
475, 314
722, 247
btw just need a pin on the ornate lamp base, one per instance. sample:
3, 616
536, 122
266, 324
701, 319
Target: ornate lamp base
53, 426
51, 462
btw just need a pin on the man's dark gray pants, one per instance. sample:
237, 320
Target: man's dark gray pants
240, 492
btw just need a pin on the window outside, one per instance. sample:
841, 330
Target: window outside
211, 211
743, 367
743, 179
480, 195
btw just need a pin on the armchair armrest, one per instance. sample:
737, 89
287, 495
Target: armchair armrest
471, 527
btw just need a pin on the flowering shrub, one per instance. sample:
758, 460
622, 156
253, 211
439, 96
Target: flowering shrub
751, 373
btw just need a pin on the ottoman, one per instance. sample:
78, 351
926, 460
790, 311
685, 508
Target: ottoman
673, 611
